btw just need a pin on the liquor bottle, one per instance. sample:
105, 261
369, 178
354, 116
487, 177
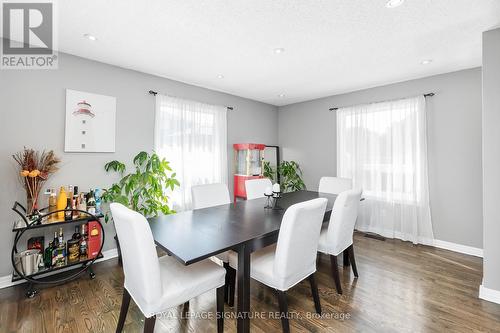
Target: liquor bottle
55, 241
83, 242
68, 214
61, 203
91, 202
76, 235
52, 205
60, 240
82, 203
75, 213
47, 255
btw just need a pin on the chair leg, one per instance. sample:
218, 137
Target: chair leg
283, 303
226, 281
335, 273
353, 260
345, 260
220, 309
123, 310
149, 324
232, 286
315, 294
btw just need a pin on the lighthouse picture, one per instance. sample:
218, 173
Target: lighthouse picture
90, 122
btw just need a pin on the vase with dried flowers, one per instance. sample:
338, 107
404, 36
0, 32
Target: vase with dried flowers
35, 168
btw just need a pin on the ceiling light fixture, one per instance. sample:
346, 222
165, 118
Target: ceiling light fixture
90, 37
279, 50
281, 95
220, 76
426, 61
394, 3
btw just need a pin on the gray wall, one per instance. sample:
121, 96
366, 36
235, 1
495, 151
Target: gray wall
307, 134
491, 158
32, 114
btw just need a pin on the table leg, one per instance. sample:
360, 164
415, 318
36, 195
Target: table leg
243, 322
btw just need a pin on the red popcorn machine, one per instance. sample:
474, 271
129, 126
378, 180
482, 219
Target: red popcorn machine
248, 162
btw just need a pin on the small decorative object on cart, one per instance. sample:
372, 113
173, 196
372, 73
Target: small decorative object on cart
35, 168
36, 243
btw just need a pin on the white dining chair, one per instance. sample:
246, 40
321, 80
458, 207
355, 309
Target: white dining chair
293, 258
157, 284
255, 188
210, 195
337, 237
334, 185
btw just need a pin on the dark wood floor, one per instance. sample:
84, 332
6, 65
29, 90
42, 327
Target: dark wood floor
401, 288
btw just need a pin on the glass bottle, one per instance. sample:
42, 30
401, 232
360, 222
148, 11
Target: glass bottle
91, 202
68, 213
61, 203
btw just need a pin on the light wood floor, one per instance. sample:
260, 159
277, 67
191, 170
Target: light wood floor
401, 288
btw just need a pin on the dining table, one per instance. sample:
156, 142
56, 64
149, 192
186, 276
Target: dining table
244, 227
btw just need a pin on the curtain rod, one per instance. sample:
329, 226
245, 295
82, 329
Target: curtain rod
151, 92
425, 95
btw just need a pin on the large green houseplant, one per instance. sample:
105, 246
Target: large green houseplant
144, 189
290, 175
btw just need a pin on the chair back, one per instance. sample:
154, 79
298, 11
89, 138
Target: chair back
334, 185
342, 221
255, 188
298, 238
140, 260
210, 195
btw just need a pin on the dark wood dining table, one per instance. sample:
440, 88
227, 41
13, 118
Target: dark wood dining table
244, 227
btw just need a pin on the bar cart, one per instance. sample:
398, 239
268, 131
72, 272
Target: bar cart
50, 275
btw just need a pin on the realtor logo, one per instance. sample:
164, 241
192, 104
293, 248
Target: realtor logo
28, 36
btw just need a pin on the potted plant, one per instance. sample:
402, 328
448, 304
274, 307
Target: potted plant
144, 189
290, 174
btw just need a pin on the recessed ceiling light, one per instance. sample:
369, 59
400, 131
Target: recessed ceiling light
426, 61
394, 3
279, 50
220, 76
281, 95
90, 37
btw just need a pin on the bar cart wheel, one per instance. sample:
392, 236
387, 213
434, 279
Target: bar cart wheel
91, 274
31, 291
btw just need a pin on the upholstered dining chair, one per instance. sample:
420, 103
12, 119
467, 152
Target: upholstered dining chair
210, 195
157, 284
255, 188
293, 258
334, 185
337, 237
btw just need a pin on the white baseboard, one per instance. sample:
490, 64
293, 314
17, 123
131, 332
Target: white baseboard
465, 249
6, 281
488, 294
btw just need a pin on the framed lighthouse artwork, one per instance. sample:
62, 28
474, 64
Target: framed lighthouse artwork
90, 122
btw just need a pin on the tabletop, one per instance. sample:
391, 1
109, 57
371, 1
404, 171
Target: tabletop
191, 236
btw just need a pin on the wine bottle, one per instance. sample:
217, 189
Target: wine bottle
76, 235
68, 213
91, 202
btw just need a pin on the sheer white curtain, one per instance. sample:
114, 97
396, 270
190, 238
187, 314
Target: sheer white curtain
192, 136
383, 148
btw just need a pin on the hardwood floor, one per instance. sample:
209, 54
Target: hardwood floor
401, 288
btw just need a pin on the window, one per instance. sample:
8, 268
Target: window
382, 147
192, 137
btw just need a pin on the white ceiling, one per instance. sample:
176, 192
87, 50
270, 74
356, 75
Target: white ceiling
331, 47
